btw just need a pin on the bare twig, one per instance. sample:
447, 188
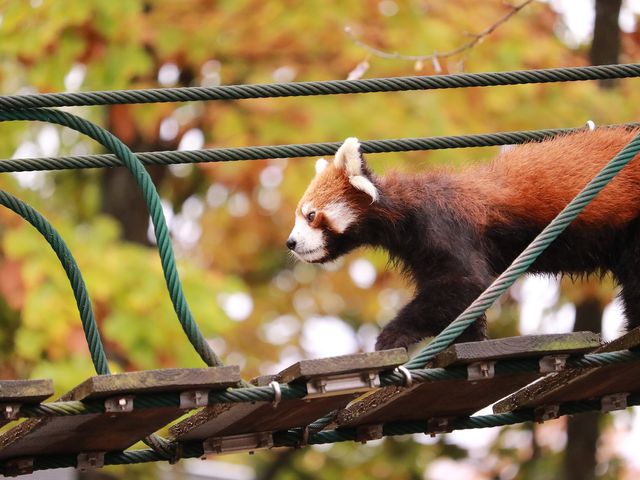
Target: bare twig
436, 56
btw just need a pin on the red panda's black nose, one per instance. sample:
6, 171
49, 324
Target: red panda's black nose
291, 243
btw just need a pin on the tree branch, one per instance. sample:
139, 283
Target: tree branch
435, 57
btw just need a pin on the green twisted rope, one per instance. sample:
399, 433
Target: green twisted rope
332, 87
527, 257
72, 270
295, 150
155, 209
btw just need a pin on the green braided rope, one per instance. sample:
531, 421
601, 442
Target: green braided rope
527, 257
72, 270
155, 209
295, 150
291, 438
332, 87
295, 390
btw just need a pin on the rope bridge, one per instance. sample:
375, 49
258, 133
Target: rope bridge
350, 398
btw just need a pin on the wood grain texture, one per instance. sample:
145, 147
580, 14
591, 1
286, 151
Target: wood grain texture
154, 381
450, 398
572, 385
522, 347
110, 431
447, 398
359, 362
231, 419
25, 391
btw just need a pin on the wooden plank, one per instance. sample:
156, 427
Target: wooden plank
25, 391
234, 419
155, 381
110, 431
521, 347
458, 397
572, 385
14, 393
344, 364
441, 399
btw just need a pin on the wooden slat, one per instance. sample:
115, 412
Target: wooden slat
155, 381
344, 364
572, 385
233, 419
112, 431
450, 398
14, 393
25, 391
521, 347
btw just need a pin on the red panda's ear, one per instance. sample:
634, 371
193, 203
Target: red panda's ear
349, 159
321, 164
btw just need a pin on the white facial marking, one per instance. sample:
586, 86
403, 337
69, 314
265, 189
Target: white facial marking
340, 215
309, 241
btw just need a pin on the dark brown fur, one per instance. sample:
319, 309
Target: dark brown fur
454, 232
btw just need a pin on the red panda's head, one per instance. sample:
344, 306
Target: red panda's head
332, 206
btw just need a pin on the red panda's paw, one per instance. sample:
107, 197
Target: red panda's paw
389, 339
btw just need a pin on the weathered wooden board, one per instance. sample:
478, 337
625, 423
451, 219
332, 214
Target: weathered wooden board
521, 347
111, 431
233, 419
457, 397
25, 391
572, 385
14, 393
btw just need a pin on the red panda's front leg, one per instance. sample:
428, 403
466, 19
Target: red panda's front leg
434, 307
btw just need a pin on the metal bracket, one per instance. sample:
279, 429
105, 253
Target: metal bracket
194, 399
365, 433
18, 466
437, 425
615, 401
10, 411
340, 384
481, 370
244, 442
90, 460
552, 363
546, 412
119, 404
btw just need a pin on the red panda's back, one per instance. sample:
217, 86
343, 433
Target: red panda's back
537, 180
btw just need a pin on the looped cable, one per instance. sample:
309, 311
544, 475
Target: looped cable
277, 392
408, 379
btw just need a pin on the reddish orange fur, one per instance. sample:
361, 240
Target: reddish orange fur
537, 180
454, 232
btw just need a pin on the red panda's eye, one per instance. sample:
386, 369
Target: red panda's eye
311, 215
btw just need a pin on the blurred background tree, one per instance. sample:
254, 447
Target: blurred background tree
262, 310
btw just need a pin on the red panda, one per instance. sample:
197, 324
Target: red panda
454, 232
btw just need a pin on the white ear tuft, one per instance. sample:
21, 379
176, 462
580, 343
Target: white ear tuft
348, 157
365, 185
321, 164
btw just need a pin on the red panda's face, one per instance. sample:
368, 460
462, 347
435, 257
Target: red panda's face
332, 204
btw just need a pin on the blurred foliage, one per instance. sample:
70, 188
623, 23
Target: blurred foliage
230, 221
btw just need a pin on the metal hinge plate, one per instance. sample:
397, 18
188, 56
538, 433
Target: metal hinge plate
194, 399
341, 384
90, 460
615, 401
245, 442
481, 370
553, 363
